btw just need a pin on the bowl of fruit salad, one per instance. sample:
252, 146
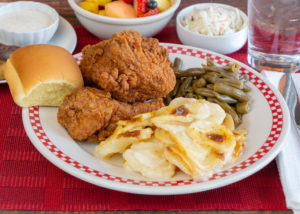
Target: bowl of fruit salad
103, 18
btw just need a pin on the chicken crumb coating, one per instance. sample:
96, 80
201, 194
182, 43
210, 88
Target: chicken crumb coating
130, 67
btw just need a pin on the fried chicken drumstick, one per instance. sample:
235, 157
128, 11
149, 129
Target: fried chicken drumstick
128, 66
90, 113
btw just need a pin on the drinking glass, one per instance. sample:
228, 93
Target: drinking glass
274, 34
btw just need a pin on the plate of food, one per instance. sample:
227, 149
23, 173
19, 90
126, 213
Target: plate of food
168, 119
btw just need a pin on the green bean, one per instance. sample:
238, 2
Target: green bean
227, 108
191, 95
213, 68
210, 86
209, 62
233, 68
177, 64
242, 108
234, 83
225, 98
168, 99
190, 72
199, 97
198, 83
221, 97
206, 92
246, 88
222, 72
188, 90
183, 86
174, 91
236, 118
210, 76
221, 85
231, 82
244, 77
224, 106
231, 91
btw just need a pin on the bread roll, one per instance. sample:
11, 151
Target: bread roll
41, 75
5, 52
2, 70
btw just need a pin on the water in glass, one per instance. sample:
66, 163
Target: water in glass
274, 34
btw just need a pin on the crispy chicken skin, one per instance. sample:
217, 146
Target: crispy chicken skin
128, 66
90, 113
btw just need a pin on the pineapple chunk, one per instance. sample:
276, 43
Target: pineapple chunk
89, 6
163, 4
101, 2
102, 12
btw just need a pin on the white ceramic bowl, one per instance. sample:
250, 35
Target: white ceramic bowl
33, 37
104, 27
224, 44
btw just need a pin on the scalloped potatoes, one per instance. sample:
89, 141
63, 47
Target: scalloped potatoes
196, 136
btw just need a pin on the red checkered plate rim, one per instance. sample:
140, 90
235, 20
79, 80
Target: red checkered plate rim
267, 124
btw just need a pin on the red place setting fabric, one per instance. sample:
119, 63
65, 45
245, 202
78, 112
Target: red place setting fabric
30, 182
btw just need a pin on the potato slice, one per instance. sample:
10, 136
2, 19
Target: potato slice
148, 158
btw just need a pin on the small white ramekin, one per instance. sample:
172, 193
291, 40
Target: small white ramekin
28, 38
224, 44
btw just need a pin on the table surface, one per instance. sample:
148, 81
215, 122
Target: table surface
64, 10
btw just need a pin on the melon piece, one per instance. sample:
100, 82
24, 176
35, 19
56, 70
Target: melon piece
119, 9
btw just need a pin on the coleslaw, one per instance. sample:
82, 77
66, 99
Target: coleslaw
213, 21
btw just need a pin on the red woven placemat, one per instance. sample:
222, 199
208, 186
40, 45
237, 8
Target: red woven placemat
29, 182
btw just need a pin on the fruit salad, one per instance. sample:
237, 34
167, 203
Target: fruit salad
126, 8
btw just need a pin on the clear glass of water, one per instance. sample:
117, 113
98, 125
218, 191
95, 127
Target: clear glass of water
274, 34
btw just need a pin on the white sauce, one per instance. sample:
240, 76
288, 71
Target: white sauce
213, 21
25, 21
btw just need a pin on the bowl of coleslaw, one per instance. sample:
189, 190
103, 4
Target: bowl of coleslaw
217, 27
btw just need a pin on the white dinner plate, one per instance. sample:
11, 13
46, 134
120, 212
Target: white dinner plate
267, 124
65, 36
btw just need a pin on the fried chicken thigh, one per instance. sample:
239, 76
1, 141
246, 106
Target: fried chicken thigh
128, 66
90, 113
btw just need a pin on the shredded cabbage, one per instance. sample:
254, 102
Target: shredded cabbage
213, 21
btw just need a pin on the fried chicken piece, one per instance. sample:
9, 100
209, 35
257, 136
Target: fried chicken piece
128, 66
87, 112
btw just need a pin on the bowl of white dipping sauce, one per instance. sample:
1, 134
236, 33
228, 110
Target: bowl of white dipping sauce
27, 23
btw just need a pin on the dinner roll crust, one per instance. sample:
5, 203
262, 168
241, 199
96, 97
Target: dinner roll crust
41, 75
